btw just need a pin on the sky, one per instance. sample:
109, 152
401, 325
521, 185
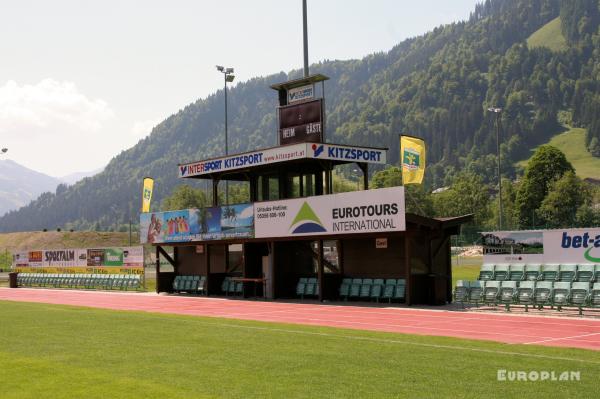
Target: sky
81, 81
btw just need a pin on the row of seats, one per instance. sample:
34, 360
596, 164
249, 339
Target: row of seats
367, 288
564, 273
307, 286
95, 281
232, 287
529, 293
190, 284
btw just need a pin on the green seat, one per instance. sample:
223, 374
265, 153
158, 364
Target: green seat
507, 293
525, 293
301, 287
532, 272
516, 272
549, 272
377, 289
486, 272
345, 288
389, 288
594, 300
476, 291
400, 291
490, 292
177, 284
567, 273
560, 294
580, 295
365, 288
311, 287
231, 288
225, 285
461, 292
501, 272
355, 287
201, 289
239, 288
542, 293
585, 273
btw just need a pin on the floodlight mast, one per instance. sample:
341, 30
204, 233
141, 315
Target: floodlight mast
228, 77
498, 111
305, 38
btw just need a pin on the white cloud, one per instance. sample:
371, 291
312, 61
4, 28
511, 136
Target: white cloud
143, 128
47, 108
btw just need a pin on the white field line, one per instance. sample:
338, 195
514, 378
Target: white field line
395, 341
562, 338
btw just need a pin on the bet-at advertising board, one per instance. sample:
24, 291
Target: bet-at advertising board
115, 260
573, 246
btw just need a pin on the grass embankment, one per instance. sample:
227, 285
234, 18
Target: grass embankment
572, 144
54, 351
24, 241
549, 36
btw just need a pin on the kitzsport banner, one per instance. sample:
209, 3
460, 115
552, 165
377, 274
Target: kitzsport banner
202, 224
117, 260
371, 211
574, 246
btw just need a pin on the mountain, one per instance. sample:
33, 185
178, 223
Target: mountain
73, 178
437, 86
20, 185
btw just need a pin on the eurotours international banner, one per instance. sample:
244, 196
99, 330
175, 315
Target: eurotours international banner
573, 246
115, 260
371, 211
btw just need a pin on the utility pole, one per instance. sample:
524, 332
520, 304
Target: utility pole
498, 111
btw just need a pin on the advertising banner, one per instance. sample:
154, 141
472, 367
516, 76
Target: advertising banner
347, 153
574, 246
285, 153
370, 211
203, 224
115, 260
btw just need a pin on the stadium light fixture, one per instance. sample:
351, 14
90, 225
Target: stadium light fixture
498, 111
228, 77
4, 150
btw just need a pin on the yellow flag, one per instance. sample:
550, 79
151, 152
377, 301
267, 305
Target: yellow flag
147, 193
412, 159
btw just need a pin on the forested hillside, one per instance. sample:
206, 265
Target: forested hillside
436, 86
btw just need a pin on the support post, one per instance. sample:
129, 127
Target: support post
157, 269
408, 269
320, 273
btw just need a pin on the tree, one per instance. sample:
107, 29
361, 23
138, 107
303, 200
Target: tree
467, 195
547, 165
185, 197
564, 199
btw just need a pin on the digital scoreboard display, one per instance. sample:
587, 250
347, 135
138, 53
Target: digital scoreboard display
300, 123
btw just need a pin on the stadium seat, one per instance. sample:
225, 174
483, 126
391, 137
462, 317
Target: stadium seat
225, 285
301, 287
201, 289
549, 272
507, 293
486, 273
542, 293
311, 287
525, 294
501, 273
585, 273
365, 288
355, 287
345, 288
580, 295
594, 300
516, 272
560, 294
377, 289
567, 273
476, 291
177, 283
389, 288
461, 292
400, 291
490, 292
532, 272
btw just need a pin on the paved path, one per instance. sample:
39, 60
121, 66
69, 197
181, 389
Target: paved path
507, 328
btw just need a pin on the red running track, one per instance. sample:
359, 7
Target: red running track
507, 328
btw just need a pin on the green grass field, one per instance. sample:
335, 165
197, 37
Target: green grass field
464, 268
572, 143
550, 36
49, 351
